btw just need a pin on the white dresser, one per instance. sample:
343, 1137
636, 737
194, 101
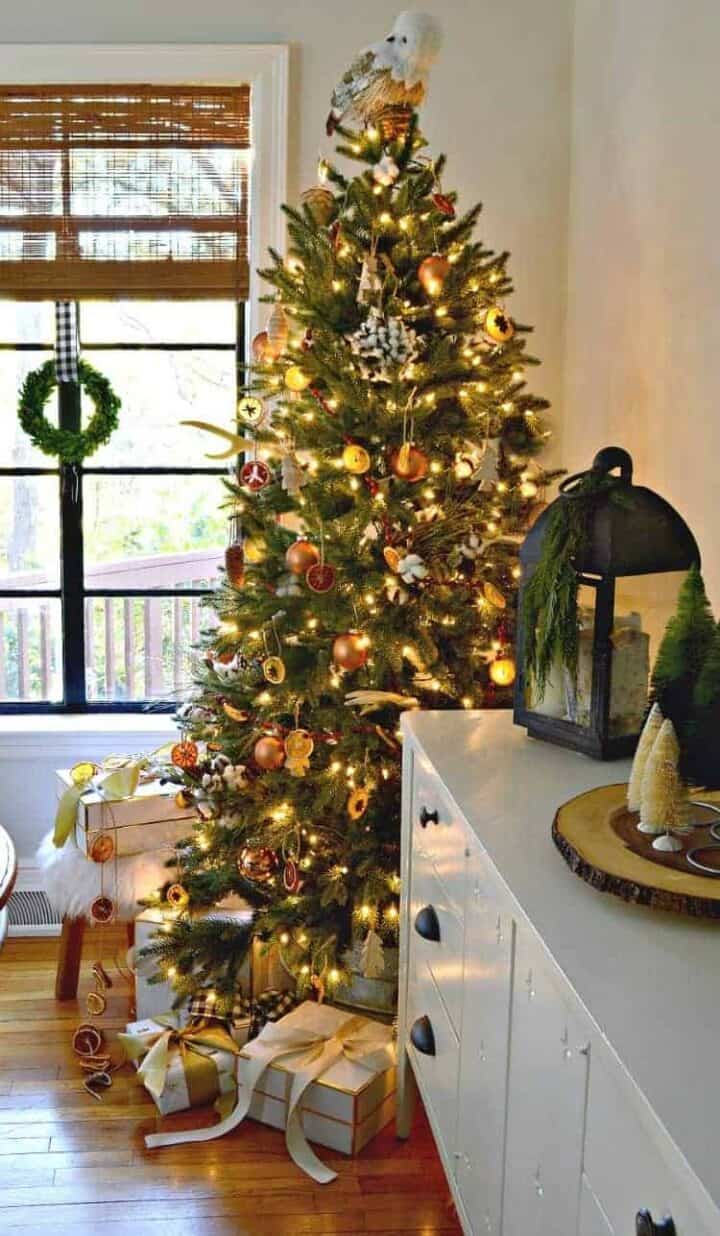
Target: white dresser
566, 1045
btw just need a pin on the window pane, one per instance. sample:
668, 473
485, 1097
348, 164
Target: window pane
16, 449
158, 321
27, 322
30, 650
139, 648
152, 531
158, 390
29, 532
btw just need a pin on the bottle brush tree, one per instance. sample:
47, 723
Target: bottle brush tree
663, 804
681, 656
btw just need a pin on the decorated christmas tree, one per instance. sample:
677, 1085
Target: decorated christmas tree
389, 475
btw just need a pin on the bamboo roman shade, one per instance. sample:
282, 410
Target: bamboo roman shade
124, 191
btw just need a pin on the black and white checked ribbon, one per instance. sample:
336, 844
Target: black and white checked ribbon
66, 341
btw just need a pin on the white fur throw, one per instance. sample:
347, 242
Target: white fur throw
72, 881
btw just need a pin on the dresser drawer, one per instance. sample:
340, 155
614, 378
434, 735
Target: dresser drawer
440, 948
439, 831
630, 1162
437, 1071
547, 1094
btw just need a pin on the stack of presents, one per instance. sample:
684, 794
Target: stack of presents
323, 1073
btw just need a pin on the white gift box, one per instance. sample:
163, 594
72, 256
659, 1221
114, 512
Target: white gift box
149, 820
175, 1096
261, 970
342, 1109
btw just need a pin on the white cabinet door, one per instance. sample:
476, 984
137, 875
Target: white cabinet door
630, 1161
547, 1096
484, 1050
593, 1220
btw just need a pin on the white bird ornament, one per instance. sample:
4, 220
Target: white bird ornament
390, 73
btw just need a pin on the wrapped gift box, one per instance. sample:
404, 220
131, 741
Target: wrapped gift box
150, 820
262, 969
216, 1066
342, 1109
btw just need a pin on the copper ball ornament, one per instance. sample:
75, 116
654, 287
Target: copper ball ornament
433, 272
269, 753
350, 651
261, 348
502, 671
257, 865
409, 464
498, 325
301, 555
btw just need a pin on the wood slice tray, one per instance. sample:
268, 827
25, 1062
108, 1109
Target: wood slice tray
597, 837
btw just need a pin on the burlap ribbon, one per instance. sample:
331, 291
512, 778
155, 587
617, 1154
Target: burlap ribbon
195, 1043
307, 1054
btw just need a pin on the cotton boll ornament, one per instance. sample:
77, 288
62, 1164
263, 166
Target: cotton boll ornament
386, 171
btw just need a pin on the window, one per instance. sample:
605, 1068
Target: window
131, 200
102, 568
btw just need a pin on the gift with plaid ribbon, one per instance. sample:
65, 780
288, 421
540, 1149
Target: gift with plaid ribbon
247, 1017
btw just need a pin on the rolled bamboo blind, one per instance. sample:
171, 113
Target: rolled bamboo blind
124, 191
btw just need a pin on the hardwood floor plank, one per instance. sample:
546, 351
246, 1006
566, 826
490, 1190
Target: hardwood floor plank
72, 1166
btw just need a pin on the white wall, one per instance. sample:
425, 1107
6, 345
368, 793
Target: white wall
499, 107
643, 340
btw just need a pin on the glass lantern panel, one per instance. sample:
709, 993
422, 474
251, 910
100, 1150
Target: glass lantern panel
566, 698
643, 606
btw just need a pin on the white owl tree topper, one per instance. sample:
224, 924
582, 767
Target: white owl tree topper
390, 73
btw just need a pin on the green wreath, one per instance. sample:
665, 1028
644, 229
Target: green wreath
70, 445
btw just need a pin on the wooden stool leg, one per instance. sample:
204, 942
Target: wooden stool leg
130, 930
69, 954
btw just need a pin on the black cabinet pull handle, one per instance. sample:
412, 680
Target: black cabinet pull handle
427, 924
428, 817
644, 1225
422, 1036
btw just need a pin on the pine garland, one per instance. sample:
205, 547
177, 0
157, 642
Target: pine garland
550, 608
70, 445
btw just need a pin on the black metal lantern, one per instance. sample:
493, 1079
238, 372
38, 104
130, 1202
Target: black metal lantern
636, 551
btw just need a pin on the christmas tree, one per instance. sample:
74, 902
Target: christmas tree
681, 656
376, 521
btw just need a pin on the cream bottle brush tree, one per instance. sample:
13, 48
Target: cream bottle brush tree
651, 729
664, 800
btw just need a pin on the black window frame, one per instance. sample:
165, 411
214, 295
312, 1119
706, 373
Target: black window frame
72, 592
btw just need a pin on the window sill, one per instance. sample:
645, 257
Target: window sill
82, 735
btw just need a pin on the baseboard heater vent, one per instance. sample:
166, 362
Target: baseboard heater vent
30, 914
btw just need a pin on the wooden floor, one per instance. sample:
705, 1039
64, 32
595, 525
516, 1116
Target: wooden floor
69, 1164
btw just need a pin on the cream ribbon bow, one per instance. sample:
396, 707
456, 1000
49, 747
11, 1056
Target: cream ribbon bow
307, 1054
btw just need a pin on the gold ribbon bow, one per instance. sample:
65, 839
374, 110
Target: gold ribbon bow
195, 1042
308, 1054
117, 779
